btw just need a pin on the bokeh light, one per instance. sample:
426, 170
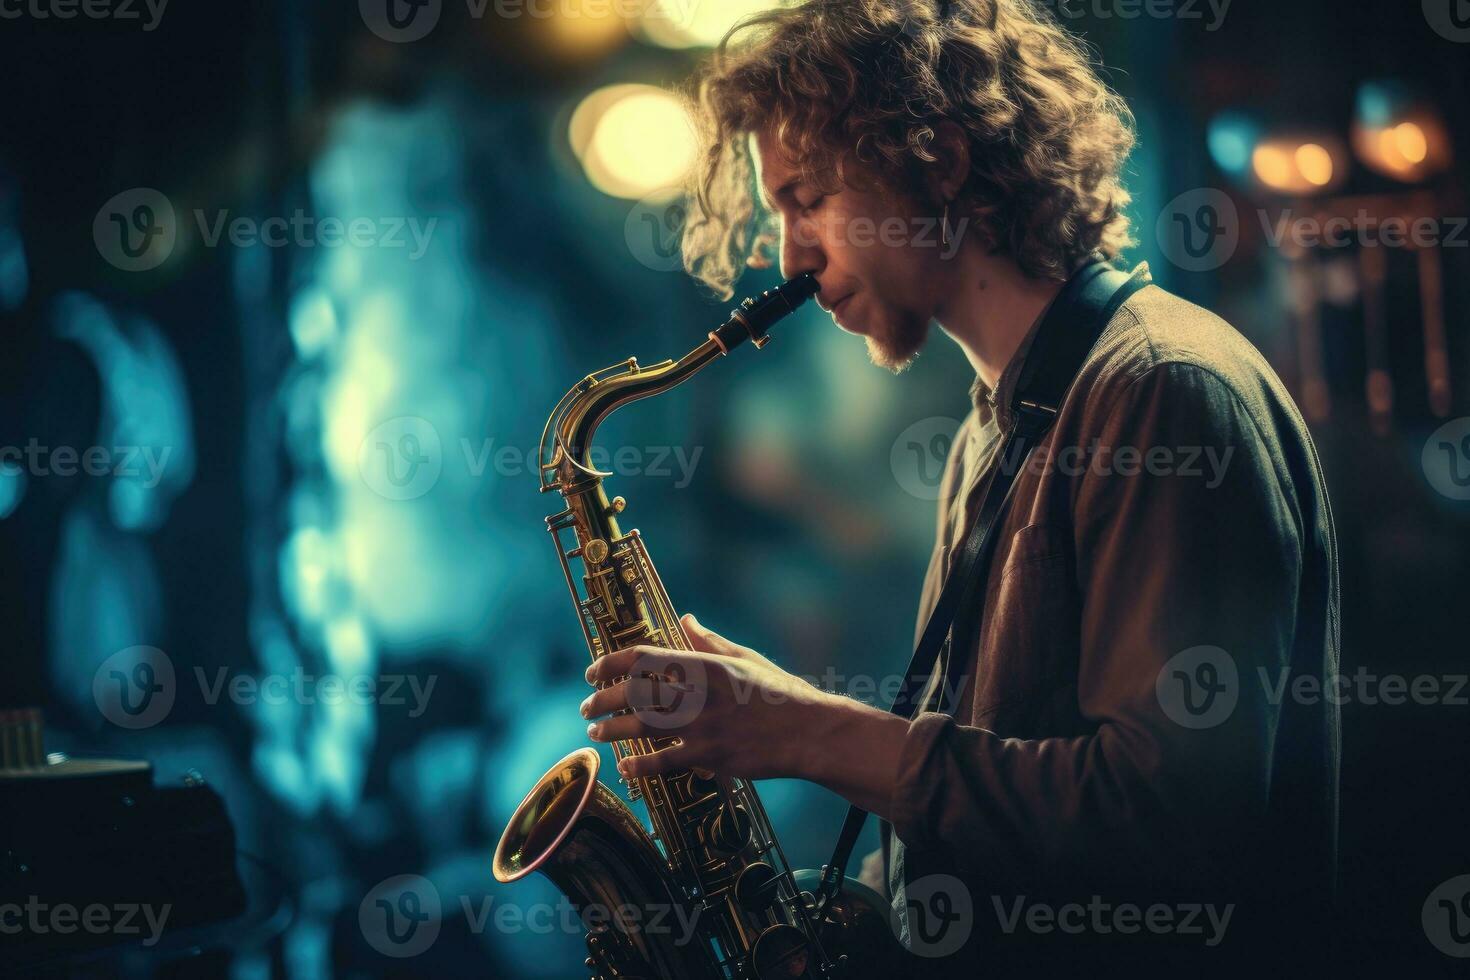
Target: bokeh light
1397, 134
693, 23
633, 141
1300, 164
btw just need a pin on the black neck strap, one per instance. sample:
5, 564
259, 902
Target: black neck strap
1065, 336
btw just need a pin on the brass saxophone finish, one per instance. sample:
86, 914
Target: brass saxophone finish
712, 874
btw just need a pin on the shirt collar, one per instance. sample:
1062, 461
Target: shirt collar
996, 404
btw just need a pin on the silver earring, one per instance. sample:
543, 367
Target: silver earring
944, 225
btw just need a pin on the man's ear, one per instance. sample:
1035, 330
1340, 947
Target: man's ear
951, 167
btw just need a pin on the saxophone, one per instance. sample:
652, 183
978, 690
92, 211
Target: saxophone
709, 892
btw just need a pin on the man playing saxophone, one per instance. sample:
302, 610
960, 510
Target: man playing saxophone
1118, 738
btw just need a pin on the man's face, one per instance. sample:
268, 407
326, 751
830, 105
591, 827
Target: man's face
874, 253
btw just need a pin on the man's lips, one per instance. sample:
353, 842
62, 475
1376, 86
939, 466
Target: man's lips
830, 307
838, 305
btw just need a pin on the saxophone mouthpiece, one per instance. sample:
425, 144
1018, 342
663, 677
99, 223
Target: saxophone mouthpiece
754, 316
803, 287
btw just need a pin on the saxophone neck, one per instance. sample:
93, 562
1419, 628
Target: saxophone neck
567, 438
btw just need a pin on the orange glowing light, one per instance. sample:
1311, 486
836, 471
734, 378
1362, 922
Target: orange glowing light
1314, 163
1273, 166
1411, 142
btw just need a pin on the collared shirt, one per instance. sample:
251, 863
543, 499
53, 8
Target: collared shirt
1171, 534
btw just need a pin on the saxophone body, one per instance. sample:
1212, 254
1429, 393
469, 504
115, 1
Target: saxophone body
709, 893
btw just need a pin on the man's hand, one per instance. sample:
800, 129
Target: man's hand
734, 711
737, 714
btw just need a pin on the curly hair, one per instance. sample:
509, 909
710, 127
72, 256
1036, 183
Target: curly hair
868, 80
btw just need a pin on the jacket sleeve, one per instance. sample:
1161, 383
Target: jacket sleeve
1188, 585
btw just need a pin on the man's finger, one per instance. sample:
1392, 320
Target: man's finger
621, 728
669, 759
621, 663
606, 701
638, 693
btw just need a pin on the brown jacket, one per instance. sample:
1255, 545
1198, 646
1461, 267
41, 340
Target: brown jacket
1122, 728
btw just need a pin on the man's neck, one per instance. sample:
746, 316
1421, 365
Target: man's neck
990, 307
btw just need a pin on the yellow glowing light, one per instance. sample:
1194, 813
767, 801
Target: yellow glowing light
1273, 166
1411, 142
583, 27
1314, 163
589, 113
695, 23
636, 143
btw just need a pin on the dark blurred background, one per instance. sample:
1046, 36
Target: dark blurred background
508, 167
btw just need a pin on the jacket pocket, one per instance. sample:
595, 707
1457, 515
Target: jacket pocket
1030, 638
1033, 545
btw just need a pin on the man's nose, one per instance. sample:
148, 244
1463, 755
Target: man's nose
800, 253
